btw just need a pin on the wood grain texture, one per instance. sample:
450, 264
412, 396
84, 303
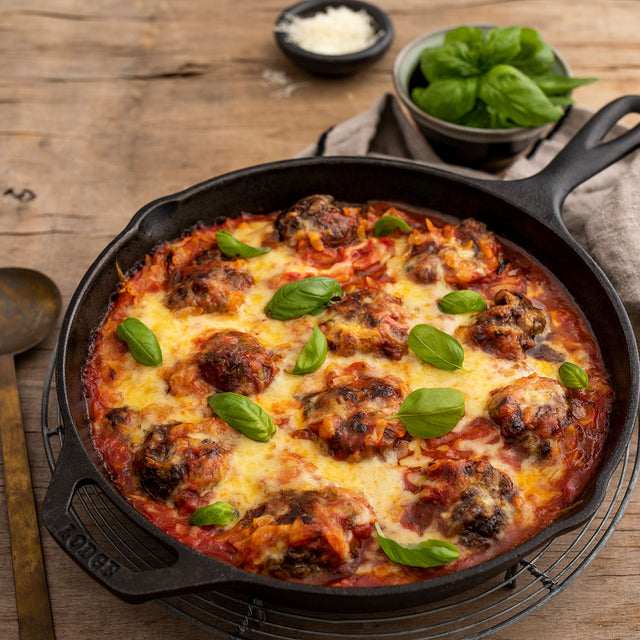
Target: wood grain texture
109, 104
30, 582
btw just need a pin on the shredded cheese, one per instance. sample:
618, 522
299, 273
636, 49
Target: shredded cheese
335, 31
131, 402
257, 470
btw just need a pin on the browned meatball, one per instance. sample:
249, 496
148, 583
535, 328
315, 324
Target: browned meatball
531, 413
318, 219
303, 534
122, 418
225, 361
508, 328
461, 254
350, 416
464, 498
367, 321
236, 361
184, 257
124, 421
213, 287
172, 463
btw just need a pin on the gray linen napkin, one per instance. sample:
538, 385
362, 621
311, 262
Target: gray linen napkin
603, 213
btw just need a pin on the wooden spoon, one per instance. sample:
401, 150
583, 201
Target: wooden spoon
29, 307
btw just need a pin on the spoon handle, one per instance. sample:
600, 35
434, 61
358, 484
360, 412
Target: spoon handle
32, 594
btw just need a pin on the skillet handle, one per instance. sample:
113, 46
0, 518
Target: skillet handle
584, 156
191, 570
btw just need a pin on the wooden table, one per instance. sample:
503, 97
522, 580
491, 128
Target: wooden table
106, 105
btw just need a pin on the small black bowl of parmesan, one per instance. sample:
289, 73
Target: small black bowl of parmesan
335, 38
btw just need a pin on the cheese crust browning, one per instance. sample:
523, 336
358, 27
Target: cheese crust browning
341, 460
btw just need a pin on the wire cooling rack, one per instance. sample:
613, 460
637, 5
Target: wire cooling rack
473, 615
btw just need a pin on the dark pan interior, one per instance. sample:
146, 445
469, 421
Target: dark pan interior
271, 187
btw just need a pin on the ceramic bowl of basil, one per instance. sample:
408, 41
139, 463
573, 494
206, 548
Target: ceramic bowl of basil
482, 95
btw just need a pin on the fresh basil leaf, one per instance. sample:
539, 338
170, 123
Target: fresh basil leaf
449, 99
502, 62
436, 347
498, 120
557, 85
431, 413
535, 56
300, 297
561, 101
387, 224
323, 308
573, 376
313, 354
218, 513
499, 46
454, 60
428, 553
232, 247
471, 36
243, 414
142, 342
462, 301
516, 96
484, 117
477, 118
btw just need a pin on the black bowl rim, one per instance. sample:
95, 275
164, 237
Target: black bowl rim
311, 7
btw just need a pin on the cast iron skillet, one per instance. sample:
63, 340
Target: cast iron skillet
524, 211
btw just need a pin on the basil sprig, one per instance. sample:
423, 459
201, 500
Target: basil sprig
243, 414
313, 354
436, 347
517, 97
573, 376
428, 553
218, 513
142, 342
555, 86
300, 297
386, 225
462, 301
232, 247
431, 413
495, 79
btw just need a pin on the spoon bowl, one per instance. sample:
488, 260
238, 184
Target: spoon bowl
29, 307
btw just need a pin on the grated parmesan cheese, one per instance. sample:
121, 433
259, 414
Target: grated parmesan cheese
335, 31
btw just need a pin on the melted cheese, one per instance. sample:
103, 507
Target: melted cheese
255, 466
255, 469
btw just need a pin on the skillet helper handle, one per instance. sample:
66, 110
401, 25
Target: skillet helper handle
31, 590
190, 570
583, 156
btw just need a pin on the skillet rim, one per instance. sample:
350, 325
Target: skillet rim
446, 585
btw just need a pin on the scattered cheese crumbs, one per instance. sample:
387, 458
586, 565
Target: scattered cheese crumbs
280, 81
336, 31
